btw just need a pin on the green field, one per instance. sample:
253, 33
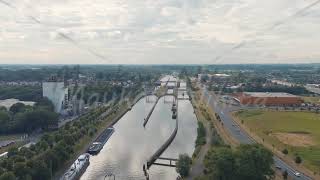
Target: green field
269, 124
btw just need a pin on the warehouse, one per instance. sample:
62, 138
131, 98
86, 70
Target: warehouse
268, 99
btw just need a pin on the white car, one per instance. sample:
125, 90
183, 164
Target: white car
297, 174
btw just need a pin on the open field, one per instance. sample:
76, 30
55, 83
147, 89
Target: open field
315, 100
298, 132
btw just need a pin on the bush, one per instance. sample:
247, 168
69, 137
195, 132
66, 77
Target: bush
183, 165
285, 151
285, 175
298, 160
216, 140
7, 176
196, 152
201, 138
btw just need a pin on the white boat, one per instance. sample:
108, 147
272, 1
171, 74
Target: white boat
77, 168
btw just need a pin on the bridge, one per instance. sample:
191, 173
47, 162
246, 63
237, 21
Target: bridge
170, 164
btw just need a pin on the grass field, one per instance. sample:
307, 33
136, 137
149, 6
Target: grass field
315, 100
299, 132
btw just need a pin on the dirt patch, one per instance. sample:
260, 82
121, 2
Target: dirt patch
295, 139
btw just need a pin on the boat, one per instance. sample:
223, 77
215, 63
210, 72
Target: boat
95, 148
174, 107
174, 115
98, 144
77, 168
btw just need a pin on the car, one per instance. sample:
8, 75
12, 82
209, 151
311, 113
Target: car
278, 167
297, 174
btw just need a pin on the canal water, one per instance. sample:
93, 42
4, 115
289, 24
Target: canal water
131, 144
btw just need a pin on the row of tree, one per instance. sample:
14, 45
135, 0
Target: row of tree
297, 90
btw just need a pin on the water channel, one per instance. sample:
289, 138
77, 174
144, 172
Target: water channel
131, 144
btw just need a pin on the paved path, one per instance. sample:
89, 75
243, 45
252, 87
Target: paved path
198, 165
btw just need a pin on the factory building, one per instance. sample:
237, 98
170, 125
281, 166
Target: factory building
268, 99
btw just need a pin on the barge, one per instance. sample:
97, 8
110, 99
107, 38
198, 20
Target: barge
98, 144
174, 115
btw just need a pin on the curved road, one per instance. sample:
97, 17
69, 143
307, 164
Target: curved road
242, 136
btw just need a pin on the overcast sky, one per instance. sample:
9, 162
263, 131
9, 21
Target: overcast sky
159, 31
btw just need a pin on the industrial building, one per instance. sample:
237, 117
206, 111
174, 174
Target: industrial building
268, 98
57, 93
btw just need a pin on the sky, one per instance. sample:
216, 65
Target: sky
159, 31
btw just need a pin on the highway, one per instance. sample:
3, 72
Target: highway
242, 136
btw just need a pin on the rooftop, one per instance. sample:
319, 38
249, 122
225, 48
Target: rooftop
269, 94
221, 75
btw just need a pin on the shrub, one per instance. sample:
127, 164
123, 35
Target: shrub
183, 165
285, 151
298, 160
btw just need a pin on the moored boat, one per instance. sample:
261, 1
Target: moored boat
77, 168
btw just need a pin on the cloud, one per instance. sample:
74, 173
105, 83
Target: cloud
160, 31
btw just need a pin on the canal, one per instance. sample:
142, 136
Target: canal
131, 144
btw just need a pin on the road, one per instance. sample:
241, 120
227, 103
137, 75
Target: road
239, 134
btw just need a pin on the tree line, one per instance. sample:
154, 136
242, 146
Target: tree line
21, 118
23, 93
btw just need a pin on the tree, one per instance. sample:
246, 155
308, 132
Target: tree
8, 176
39, 170
3, 108
298, 160
254, 162
4, 121
44, 104
201, 138
12, 151
21, 170
285, 151
183, 165
285, 175
221, 164
18, 107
